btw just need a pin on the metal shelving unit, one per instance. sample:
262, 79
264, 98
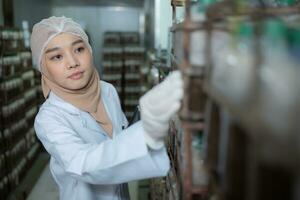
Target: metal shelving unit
18, 102
192, 112
250, 154
180, 182
123, 57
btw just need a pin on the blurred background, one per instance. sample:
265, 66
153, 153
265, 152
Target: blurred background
236, 136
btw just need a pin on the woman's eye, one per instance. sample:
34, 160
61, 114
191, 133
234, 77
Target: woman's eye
56, 57
79, 50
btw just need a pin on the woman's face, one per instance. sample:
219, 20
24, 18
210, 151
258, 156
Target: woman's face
67, 61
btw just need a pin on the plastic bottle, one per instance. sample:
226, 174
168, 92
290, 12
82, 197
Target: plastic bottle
234, 66
198, 38
284, 3
241, 67
200, 173
294, 40
278, 76
198, 9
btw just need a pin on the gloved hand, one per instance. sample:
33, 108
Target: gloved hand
157, 107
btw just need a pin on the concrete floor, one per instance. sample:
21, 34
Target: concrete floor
46, 188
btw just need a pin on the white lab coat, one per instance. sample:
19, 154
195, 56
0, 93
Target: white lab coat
85, 163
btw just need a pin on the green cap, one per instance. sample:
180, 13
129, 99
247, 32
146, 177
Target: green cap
286, 2
294, 36
246, 30
297, 37
274, 29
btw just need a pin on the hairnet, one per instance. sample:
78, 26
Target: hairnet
47, 29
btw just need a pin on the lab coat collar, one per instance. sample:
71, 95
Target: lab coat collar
59, 102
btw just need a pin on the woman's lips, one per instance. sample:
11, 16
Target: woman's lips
76, 75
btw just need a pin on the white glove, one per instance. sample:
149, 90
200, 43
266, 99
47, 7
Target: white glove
157, 107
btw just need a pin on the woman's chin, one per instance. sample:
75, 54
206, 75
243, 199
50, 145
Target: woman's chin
76, 85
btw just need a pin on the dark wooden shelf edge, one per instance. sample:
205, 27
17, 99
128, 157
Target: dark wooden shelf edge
199, 190
188, 26
193, 126
178, 3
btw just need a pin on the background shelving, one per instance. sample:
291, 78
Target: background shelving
123, 57
233, 130
18, 109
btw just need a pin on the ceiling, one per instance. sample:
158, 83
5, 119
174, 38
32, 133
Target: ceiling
122, 3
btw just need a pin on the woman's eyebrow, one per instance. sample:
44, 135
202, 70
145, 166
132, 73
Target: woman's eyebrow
52, 49
57, 48
76, 42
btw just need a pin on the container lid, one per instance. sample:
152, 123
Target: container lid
286, 2
294, 37
246, 30
274, 29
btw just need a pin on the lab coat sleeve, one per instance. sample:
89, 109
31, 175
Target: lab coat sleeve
123, 159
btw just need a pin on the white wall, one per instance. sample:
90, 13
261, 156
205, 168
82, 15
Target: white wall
149, 25
163, 21
97, 20
31, 10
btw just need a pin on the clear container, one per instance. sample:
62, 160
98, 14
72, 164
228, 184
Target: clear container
200, 174
278, 77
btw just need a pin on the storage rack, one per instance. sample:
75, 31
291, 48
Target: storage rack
123, 57
168, 187
248, 155
248, 149
134, 55
19, 146
186, 160
112, 60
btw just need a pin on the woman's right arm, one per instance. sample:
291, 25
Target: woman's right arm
123, 159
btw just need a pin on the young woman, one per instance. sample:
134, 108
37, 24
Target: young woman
80, 123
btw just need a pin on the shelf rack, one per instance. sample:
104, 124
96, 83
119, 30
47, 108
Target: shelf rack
19, 105
247, 155
192, 112
244, 150
123, 57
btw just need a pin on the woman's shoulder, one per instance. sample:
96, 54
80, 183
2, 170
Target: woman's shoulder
47, 109
106, 85
55, 108
107, 88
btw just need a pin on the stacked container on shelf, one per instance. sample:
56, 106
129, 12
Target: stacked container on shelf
224, 52
188, 52
112, 60
39, 93
11, 105
134, 55
278, 64
122, 59
253, 109
18, 108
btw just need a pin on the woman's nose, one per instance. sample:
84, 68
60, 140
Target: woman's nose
72, 61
